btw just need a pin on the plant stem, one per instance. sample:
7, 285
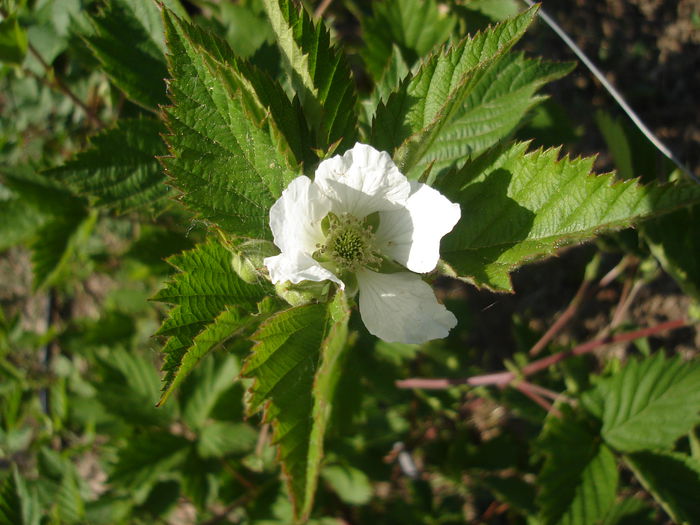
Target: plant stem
505, 378
526, 389
53, 81
563, 319
325, 4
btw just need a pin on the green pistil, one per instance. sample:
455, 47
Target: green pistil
350, 243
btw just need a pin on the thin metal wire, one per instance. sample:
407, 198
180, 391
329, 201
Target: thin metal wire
614, 92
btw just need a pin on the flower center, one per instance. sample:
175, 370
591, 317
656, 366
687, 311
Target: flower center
350, 242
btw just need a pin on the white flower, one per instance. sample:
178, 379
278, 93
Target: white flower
351, 225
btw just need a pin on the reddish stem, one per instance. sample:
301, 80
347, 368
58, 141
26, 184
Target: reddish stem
504, 378
526, 388
563, 319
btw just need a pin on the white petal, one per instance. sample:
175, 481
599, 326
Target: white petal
401, 308
296, 267
295, 219
411, 236
362, 181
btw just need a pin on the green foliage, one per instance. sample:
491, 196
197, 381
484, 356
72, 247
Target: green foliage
492, 111
676, 252
51, 218
13, 41
578, 481
120, 169
225, 165
139, 68
415, 116
415, 27
673, 479
295, 364
518, 206
260, 92
635, 156
210, 302
18, 505
319, 74
650, 404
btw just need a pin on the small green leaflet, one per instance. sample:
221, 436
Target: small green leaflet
415, 27
120, 169
146, 457
129, 43
319, 74
674, 481
578, 481
213, 308
55, 243
651, 403
416, 114
226, 166
518, 206
56, 222
491, 112
677, 251
13, 41
18, 505
296, 365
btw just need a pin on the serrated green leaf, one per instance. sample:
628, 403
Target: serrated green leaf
519, 206
13, 41
10, 503
225, 165
145, 458
120, 169
295, 364
415, 27
55, 243
62, 221
18, 221
18, 505
674, 481
578, 480
137, 68
69, 501
129, 388
651, 403
416, 114
630, 511
491, 112
635, 156
212, 305
210, 380
319, 74
221, 438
